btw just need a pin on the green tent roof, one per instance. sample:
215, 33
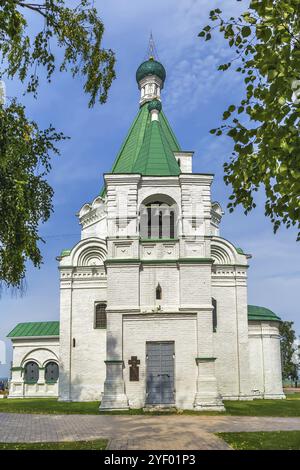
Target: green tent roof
256, 313
44, 328
130, 149
156, 157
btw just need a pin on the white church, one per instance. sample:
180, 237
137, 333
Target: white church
153, 301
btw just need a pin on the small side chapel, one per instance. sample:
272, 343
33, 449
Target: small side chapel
153, 300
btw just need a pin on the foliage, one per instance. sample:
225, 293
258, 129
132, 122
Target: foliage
287, 338
77, 31
70, 40
265, 125
263, 440
25, 195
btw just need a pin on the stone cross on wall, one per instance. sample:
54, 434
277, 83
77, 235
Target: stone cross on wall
134, 369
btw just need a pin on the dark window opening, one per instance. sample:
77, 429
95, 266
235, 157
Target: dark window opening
100, 316
31, 373
172, 224
149, 221
179, 163
158, 292
214, 314
160, 224
51, 372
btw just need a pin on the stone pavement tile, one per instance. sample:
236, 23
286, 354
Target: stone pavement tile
137, 431
118, 444
188, 441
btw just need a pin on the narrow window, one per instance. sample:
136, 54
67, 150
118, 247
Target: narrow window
160, 224
51, 372
179, 163
31, 374
172, 224
100, 316
158, 292
214, 314
149, 221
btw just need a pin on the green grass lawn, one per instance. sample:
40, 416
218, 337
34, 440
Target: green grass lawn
274, 440
47, 406
99, 444
288, 407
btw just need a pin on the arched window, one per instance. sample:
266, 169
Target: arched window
214, 314
31, 372
157, 221
158, 292
51, 372
100, 316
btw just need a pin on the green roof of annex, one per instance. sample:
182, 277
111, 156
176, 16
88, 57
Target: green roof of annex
51, 328
256, 313
31, 329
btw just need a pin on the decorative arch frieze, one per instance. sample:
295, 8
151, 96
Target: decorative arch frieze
89, 252
92, 212
224, 253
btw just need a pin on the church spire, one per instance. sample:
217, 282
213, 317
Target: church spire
152, 52
150, 75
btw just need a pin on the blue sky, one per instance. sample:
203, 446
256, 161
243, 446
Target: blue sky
194, 98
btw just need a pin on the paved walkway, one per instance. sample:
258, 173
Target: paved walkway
137, 432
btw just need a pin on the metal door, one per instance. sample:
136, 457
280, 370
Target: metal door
160, 373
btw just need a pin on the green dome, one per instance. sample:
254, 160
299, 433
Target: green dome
154, 104
151, 67
257, 313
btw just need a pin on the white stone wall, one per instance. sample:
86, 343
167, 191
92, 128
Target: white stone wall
185, 161
231, 342
180, 328
123, 286
168, 278
88, 355
226, 341
265, 359
195, 285
82, 347
40, 350
185, 312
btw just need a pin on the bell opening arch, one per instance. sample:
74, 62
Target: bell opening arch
158, 217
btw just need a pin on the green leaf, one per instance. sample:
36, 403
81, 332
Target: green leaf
246, 31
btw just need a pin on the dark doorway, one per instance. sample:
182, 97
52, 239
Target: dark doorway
160, 360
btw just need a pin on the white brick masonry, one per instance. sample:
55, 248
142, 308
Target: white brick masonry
181, 328
156, 290
40, 350
265, 360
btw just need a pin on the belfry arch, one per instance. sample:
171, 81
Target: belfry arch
158, 217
